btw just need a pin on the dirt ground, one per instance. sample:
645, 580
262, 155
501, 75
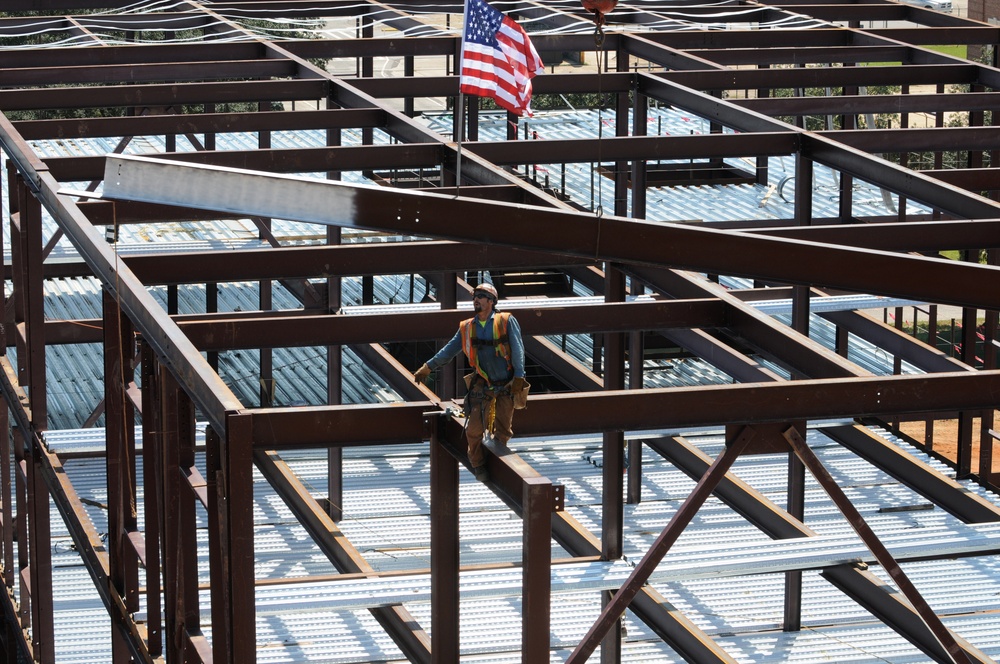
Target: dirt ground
945, 438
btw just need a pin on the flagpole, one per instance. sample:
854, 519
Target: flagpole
461, 134
461, 101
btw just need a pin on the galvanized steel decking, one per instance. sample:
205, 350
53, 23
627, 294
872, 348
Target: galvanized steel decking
217, 453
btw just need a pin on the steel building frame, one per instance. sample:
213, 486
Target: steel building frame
521, 226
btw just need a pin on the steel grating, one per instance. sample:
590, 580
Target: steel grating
243, 534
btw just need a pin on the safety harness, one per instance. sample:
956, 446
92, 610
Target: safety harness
480, 387
472, 343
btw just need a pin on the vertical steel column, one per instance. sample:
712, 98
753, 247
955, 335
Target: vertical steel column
334, 393
26, 252
236, 476
793, 580
218, 549
152, 492
842, 339
212, 306
612, 498
7, 496
472, 118
636, 355
367, 63
992, 319
39, 560
965, 425
968, 355
18, 266
444, 544
334, 361
450, 381
977, 118
367, 289
21, 516
796, 488
614, 441
622, 107
640, 120
409, 108
932, 339
10, 623
537, 499
180, 548
762, 171
119, 349
267, 385
986, 439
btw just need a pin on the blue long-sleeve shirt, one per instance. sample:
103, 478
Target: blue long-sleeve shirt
492, 363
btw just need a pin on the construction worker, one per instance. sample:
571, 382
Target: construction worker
491, 341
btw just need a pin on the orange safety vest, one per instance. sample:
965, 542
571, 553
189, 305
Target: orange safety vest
502, 345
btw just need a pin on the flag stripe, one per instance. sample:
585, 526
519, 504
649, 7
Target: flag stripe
498, 59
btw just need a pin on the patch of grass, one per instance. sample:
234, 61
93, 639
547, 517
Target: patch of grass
954, 50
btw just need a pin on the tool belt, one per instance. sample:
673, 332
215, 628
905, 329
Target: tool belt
480, 389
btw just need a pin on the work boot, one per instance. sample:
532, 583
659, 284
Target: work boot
482, 473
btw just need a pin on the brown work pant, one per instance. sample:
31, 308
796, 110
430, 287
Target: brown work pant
474, 428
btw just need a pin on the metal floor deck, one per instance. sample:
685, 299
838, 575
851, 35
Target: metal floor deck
387, 518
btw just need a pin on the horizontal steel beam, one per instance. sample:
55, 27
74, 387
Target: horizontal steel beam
310, 262
150, 95
431, 156
444, 86
135, 54
201, 123
634, 410
410, 156
806, 54
577, 234
970, 179
976, 33
823, 77
612, 148
857, 104
909, 236
276, 332
716, 405
924, 140
148, 73
340, 426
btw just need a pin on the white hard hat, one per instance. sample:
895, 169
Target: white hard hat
487, 287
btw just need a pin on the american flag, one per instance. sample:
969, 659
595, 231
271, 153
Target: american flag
498, 60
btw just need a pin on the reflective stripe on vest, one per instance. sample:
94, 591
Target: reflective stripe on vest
466, 327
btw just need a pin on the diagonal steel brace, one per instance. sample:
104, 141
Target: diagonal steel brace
640, 575
874, 544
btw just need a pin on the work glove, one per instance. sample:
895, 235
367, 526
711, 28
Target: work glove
421, 374
517, 385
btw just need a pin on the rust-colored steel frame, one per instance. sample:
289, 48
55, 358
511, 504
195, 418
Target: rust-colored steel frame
689, 69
